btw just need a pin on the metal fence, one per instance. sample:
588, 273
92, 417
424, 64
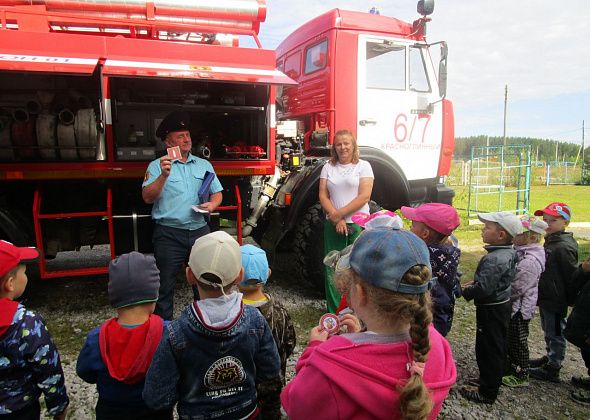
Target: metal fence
499, 179
542, 173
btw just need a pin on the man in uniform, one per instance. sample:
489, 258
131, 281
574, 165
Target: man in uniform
172, 185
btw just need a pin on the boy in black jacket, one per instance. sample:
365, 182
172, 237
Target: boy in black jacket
490, 291
561, 250
577, 330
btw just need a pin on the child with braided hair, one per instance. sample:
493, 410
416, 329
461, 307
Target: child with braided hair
400, 367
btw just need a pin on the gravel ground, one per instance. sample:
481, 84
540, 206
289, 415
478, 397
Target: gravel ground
73, 306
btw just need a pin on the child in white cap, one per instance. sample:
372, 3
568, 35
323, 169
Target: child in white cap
213, 357
490, 290
531, 263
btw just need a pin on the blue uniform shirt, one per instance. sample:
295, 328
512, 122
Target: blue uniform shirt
173, 207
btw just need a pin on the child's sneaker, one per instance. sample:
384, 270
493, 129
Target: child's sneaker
472, 394
545, 373
541, 361
514, 381
581, 397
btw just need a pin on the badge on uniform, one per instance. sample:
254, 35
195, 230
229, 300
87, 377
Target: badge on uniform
174, 153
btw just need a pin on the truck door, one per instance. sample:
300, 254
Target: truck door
395, 88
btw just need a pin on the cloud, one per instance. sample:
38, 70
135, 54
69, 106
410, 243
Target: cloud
539, 49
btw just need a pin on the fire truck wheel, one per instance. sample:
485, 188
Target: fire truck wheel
309, 247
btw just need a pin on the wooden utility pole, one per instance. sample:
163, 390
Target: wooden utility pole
505, 104
583, 161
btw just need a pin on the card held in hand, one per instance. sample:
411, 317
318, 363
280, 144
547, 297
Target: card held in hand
174, 153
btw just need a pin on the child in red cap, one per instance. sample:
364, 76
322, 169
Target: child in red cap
29, 361
434, 223
561, 250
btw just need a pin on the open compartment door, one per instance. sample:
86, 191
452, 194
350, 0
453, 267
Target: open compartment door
244, 74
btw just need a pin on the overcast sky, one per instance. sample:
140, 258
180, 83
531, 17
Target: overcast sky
540, 49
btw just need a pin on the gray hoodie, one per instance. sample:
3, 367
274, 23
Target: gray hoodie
530, 265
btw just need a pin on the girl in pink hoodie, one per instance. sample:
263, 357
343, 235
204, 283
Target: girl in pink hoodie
400, 367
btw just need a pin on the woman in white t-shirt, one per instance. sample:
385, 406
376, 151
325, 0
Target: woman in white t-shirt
346, 183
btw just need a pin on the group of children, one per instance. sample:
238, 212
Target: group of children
225, 357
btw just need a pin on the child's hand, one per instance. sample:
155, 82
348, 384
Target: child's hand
61, 416
317, 334
351, 322
586, 265
469, 283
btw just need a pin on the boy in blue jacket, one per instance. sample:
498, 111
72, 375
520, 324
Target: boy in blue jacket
214, 357
117, 355
29, 361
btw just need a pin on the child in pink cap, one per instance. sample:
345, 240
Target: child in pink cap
434, 223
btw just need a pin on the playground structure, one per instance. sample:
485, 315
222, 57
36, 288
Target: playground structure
499, 179
542, 173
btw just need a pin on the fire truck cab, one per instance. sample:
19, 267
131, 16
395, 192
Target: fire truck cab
375, 76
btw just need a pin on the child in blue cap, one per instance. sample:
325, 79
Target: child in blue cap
400, 367
256, 273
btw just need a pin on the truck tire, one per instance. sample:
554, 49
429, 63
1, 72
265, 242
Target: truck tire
309, 247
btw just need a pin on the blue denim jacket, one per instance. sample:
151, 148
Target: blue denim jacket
212, 373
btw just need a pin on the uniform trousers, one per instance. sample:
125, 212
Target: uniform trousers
172, 248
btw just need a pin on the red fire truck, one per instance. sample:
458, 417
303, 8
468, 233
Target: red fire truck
86, 83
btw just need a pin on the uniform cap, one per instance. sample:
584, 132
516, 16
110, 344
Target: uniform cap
175, 121
437, 216
134, 278
216, 253
556, 209
11, 256
509, 222
255, 264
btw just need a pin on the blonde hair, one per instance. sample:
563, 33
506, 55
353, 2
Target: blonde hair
534, 237
415, 400
355, 151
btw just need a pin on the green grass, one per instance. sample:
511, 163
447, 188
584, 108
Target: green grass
576, 196
305, 318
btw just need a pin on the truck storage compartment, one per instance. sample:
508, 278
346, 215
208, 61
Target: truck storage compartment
228, 120
49, 117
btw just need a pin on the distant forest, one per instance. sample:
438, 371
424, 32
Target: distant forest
541, 149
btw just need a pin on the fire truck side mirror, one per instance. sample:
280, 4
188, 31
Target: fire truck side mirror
425, 7
442, 70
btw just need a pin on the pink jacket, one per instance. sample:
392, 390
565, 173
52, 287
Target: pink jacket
340, 379
525, 286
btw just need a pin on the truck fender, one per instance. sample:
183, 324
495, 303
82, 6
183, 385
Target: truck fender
305, 192
391, 189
